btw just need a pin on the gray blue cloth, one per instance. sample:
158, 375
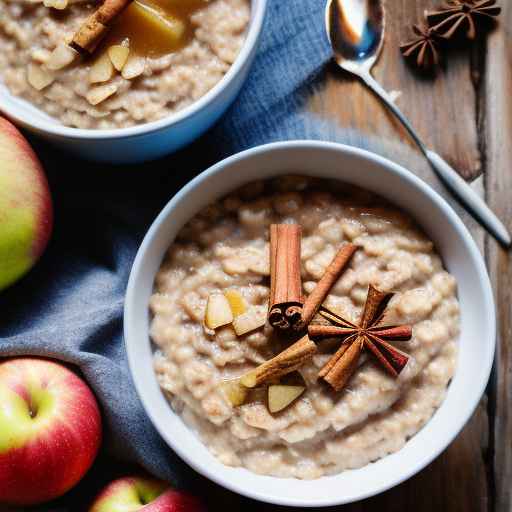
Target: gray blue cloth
70, 305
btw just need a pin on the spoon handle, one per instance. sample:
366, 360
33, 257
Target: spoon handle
460, 189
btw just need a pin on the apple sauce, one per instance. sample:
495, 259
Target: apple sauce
199, 355
158, 57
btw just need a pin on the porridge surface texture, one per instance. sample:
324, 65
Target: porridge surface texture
29, 31
323, 432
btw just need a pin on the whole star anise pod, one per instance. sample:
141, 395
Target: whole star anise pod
370, 334
423, 48
462, 14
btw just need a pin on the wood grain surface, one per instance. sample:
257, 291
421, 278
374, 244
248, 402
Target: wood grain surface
497, 136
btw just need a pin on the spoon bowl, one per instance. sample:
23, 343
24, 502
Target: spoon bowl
356, 31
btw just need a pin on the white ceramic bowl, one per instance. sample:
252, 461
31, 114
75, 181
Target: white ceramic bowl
460, 255
150, 140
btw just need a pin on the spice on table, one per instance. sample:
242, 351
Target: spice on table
285, 305
286, 362
323, 287
465, 15
369, 335
424, 48
92, 31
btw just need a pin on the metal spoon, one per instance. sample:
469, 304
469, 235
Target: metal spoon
356, 31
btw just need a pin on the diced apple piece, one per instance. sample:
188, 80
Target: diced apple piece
133, 67
281, 396
62, 56
249, 321
235, 392
118, 55
161, 25
218, 312
40, 55
101, 93
39, 77
236, 302
56, 4
249, 379
102, 70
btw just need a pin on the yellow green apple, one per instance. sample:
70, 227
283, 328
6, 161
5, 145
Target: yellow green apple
136, 493
26, 214
50, 430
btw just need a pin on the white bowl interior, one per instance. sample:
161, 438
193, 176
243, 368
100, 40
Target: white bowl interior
454, 243
31, 117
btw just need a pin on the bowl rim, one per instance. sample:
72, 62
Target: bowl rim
258, 10
483, 279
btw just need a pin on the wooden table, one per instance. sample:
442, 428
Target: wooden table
466, 115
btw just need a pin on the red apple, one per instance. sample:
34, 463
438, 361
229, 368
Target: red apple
50, 430
26, 214
137, 493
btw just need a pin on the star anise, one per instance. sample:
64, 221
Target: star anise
370, 334
423, 48
462, 14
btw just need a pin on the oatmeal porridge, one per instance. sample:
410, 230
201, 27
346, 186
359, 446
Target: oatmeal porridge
224, 252
158, 57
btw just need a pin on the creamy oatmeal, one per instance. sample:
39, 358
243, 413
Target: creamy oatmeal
226, 247
167, 54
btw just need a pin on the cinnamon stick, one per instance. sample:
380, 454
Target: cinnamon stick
332, 317
392, 333
333, 360
340, 372
375, 306
392, 359
94, 29
323, 287
320, 331
286, 362
285, 305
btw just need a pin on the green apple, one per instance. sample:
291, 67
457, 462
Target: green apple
134, 493
50, 430
26, 213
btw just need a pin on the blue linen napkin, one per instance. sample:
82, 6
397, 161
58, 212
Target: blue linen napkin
70, 306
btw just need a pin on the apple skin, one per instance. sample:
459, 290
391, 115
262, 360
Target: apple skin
135, 493
26, 212
50, 430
